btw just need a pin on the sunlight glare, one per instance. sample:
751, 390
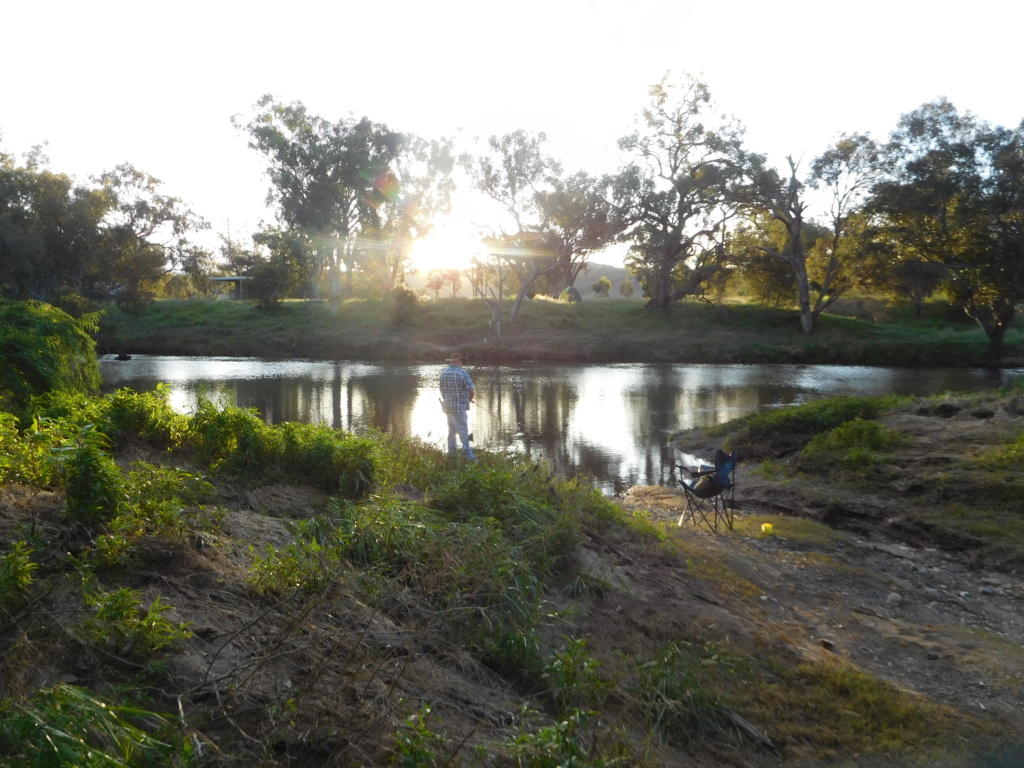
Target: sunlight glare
446, 247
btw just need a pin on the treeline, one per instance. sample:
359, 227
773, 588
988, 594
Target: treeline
937, 207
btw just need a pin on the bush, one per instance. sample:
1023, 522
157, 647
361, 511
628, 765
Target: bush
93, 483
16, 574
402, 309
790, 428
43, 348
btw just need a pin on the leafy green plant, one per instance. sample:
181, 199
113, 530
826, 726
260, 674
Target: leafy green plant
572, 677
148, 415
672, 695
762, 434
66, 726
43, 348
237, 441
120, 620
403, 306
16, 575
561, 745
416, 743
304, 564
93, 483
856, 444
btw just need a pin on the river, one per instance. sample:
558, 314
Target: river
609, 422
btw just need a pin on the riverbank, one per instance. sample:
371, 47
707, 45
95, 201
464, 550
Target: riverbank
548, 331
295, 596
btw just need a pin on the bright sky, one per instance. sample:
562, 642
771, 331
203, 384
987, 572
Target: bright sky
156, 84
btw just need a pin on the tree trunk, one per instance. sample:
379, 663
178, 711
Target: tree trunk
806, 316
662, 294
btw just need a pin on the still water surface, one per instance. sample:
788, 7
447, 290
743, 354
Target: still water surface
606, 421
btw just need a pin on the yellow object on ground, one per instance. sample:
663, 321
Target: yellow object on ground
766, 527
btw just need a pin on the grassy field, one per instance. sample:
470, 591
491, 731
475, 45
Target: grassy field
860, 333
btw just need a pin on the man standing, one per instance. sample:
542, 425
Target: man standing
456, 394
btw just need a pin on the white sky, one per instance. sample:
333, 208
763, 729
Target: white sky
156, 84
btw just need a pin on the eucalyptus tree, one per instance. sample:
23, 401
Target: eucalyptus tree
327, 180
146, 234
358, 192
953, 196
556, 222
117, 238
49, 229
824, 268
420, 194
691, 177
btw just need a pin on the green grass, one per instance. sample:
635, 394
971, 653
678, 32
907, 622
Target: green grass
593, 331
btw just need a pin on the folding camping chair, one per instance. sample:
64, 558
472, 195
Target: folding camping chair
709, 492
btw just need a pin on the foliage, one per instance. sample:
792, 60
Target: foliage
555, 222
16, 576
671, 694
562, 745
403, 307
602, 287
572, 678
68, 726
690, 179
417, 743
952, 196
119, 621
236, 440
93, 483
762, 434
43, 349
310, 563
856, 444
68, 243
352, 191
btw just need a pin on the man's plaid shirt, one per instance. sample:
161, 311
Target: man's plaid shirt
456, 387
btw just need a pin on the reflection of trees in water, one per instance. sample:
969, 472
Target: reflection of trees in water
381, 401
607, 422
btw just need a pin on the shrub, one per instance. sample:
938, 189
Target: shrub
43, 348
16, 569
93, 483
790, 428
402, 309
859, 443
119, 620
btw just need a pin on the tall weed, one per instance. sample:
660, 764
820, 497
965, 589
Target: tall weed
68, 726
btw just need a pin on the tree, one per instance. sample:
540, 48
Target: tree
436, 281
328, 180
626, 287
146, 234
555, 222
691, 177
602, 287
422, 187
952, 195
848, 169
577, 216
116, 238
760, 274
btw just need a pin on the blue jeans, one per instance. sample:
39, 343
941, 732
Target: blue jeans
458, 424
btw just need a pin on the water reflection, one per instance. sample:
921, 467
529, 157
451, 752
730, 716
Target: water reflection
609, 422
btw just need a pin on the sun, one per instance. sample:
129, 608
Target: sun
448, 246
